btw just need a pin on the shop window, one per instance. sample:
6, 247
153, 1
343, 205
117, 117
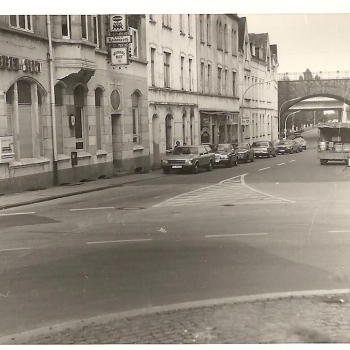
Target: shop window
24, 22
135, 98
99, 116
79, 94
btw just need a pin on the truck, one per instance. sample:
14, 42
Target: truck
334, 142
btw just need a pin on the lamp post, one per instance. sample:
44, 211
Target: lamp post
279, 112
285, 124
242, 106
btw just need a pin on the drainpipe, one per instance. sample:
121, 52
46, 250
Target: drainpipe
52, 102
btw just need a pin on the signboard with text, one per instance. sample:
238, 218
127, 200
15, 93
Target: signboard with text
6, 147
120, 39
119, 55
118, 23
245, 119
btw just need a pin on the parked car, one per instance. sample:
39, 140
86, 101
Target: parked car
225, 155
244, 151
301, 140
189, 158
264, 149
287, 147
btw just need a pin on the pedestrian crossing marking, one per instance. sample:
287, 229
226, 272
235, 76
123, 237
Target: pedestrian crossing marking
233, 191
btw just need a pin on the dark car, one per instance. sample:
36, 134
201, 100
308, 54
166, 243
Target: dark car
263, 149
225, 155
189, 157
287, 147
244, 151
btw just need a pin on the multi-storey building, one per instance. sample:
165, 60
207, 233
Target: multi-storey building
65, 113
258, 86
217, 69
172, 74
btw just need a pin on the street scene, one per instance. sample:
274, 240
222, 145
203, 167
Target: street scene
164, 181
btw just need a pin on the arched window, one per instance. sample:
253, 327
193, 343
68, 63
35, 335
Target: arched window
79, 97
59, 117
184, 122
135, 99
226, 38
99, 116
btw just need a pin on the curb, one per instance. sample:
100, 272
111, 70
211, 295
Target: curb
24, 336
64, 195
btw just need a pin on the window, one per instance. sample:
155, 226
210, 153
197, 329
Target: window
202, 76
66, 26
219, 35
201, 28
96, 31
190, 74
181, 24
153, 53
134, 48
21, 22
208, 30
135, 117
209, 77
166, 20
184, 122
84, 27
189, 25
225, 86
234, 42
219, 80
182, 73
166, 69
233, 83
225, 38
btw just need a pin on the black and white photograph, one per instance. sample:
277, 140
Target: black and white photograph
180, 177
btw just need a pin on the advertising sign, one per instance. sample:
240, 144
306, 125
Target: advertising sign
245, 119
119, 55
118, 23
6, 147
121, 39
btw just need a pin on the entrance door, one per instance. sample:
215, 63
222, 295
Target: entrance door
155, 132
168, 133
117, 140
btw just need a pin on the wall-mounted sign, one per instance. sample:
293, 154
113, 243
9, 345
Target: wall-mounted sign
120, 39
245, 119
118, 23
14, 63
6, 147
119, 55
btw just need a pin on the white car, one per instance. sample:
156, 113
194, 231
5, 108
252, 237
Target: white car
301, 141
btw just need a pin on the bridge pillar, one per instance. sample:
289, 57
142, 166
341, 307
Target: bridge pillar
344, 116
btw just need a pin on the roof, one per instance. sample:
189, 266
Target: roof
241, 32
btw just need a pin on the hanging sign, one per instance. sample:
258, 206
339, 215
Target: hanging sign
120, 39
118, 23
245, 119
119, 55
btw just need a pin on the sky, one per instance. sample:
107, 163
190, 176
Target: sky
308, 33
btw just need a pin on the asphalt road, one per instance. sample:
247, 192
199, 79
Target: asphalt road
274, 225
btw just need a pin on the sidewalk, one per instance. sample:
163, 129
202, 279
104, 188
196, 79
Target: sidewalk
299, 317
30, 197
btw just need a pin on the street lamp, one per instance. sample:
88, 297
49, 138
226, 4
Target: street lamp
279, 112
242, 107
285, 124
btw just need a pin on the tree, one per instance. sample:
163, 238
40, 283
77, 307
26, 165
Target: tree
308, 74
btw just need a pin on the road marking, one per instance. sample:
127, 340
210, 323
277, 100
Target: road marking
99, 208
292, 161
280, 164
13, 214
346, 231
264, 168
121, 241
13, 249
237, 234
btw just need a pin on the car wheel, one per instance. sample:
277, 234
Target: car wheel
166, 170
210, 166
195, 169
323, 161
229, 163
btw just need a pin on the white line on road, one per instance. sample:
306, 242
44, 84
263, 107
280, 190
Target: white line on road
237, 234
12, 214
99, 208
264, 168
292, 161
345, 231
120, 241
12, 249
280, 164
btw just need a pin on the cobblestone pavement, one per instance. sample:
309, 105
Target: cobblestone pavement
310, 319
